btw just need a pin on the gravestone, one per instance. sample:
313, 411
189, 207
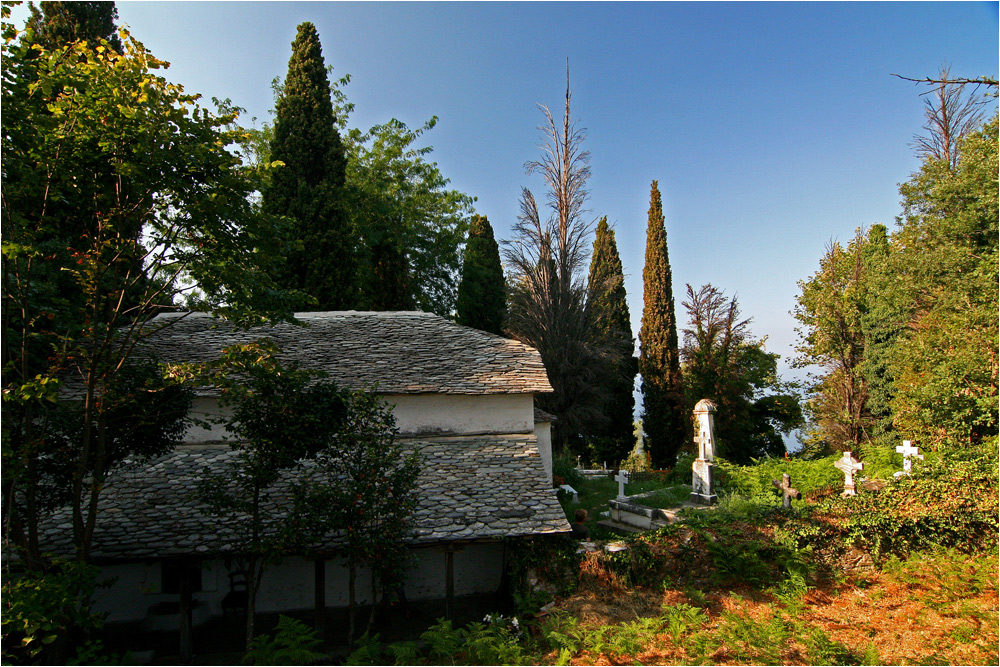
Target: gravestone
787, 492
702, 487
849, 465
909, 453
622, 479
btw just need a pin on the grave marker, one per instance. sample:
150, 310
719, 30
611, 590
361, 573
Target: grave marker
622, 479
849, 465
787, 492
702, 491
909, 453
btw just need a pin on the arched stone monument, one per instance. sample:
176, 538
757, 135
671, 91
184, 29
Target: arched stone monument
702, 487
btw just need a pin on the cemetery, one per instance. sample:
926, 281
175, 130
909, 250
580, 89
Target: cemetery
277, 390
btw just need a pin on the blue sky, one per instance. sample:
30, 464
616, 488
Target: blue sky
772, 128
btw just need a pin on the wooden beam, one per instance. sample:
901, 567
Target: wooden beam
187, 638
449, 581
319, 580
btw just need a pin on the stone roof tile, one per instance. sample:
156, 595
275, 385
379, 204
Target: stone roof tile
399, 352
152, 510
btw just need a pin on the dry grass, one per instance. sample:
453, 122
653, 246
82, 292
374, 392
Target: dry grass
939, 611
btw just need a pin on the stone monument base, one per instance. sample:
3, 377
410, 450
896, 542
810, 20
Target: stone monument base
702, 492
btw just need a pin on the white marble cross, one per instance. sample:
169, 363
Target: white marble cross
622, 479
909, 453
706, 429
849, 465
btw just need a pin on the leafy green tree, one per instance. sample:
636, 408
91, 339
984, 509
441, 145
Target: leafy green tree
548, 298
611, 328
831, 307
943, 262
724, 363
665, 425
281, 419
308, 187
62, 23
103, 228
482, 293
373, 501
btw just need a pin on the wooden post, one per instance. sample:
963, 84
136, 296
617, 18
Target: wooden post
449, 581
187, 640
319, 568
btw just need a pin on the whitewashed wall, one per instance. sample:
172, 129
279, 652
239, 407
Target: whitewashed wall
289, 585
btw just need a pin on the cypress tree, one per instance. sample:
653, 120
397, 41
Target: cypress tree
61, 23
663, 422
321, 259
482, 293
610, 329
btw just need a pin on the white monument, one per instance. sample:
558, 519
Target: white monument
849, 465
909, 453
622, 479
702, 491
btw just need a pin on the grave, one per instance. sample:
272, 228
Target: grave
909, 453
703, 491
571, 491
849, 465
787, 492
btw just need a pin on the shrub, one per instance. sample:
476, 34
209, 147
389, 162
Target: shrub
47, 615
564, 466
294, 643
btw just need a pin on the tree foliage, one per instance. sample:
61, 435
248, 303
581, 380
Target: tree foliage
120, 200
724, 363
664, 423
482, 293
308, 185
908, 322
62, 23
280, 419
408, 226
610, 328
545, 258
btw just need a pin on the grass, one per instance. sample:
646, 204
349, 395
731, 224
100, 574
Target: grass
594, 495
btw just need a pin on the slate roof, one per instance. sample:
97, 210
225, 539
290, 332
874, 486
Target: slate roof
475, 487
400, 352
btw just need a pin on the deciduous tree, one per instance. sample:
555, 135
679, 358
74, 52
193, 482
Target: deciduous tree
724, 363
545, 259
664, 423
104, 227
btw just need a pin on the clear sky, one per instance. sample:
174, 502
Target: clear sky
772, 128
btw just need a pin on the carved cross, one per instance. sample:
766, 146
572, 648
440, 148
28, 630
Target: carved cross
849, 465
909, 453
706, 429
622, 479
787, 492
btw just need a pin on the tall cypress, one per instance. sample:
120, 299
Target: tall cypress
61, 23
663, 421
482, 293
610, 329
321, 258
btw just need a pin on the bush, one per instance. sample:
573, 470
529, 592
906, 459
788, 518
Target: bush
294, 643
564, 466
47, 615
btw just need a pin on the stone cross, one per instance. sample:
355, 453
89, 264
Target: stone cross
909, 453
706, 429
787, 492
702, 491
849, 465
622, 479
